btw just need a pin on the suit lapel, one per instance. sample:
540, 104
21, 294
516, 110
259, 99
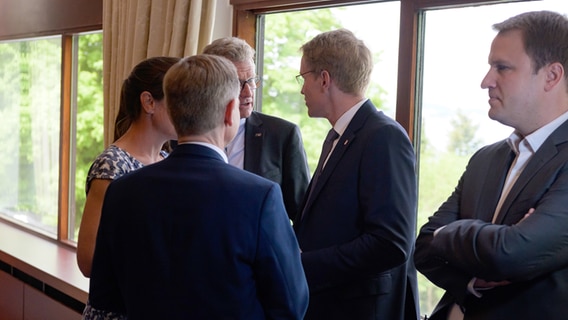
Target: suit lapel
342, 144
347, 138
494, 182
254, 135
546, 153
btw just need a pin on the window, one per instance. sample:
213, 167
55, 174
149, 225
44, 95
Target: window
87, 138
454, 107
38, 117
285, 33
442, 58
30, 109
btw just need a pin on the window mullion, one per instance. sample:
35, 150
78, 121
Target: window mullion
65, 142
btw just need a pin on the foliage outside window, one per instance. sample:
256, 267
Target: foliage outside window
89, 119
30, 108
285, 33
30, 113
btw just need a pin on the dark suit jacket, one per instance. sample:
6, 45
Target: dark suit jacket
220, 247
274, 150
357, 232
533, 254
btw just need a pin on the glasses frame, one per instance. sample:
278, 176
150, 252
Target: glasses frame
300, 77
253, 83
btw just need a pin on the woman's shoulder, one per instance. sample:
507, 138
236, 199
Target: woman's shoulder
112, 163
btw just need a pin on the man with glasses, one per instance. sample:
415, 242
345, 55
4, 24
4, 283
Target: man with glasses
265, 145
358, 221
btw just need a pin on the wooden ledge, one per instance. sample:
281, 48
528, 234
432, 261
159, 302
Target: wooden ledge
44, 264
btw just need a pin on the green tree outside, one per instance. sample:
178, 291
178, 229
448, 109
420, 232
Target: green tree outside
462, 138
30, 97
89, 135
284, 35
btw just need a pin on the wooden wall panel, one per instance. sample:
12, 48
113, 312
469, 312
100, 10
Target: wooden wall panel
11, 297
38, 306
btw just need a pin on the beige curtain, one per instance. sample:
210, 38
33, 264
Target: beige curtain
134, 30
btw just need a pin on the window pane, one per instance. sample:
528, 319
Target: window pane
88, 108
454, 107
279, 60
29, 135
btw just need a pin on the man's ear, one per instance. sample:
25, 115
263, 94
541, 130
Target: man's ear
147, 102
325, 78
232, 106
554, 75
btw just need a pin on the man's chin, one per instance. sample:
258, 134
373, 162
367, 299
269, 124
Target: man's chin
245, 111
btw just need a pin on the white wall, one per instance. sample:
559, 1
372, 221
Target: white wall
223, 20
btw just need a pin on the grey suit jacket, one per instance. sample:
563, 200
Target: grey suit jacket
274, 150
532, 254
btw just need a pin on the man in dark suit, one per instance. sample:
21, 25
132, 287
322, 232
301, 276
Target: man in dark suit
499, 244
222, 247
357, 226
268, 146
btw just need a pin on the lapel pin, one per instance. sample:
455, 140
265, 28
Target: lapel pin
258, 134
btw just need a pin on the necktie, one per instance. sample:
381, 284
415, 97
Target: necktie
326, 148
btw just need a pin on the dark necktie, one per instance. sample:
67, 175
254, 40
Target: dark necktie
326, 148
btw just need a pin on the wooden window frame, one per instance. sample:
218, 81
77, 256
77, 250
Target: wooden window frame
65, 18
246, 12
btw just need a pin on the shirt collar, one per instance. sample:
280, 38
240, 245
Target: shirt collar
343, 121
210, 146
537, 138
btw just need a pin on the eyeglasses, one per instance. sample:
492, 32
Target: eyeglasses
300, 77
253, 83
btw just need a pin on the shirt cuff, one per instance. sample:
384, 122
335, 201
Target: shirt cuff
472, 290
438, 230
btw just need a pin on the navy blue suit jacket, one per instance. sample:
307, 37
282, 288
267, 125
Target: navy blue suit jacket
192, 237
274, 150
532, 254
357, 232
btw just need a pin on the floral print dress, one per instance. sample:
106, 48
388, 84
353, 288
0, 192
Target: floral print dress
112, 163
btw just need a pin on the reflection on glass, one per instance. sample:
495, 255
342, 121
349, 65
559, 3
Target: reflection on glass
29, 134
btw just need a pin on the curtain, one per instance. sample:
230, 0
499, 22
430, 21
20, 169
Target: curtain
134, 30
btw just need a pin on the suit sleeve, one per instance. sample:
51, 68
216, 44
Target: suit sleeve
522, 250
295, 172
515, 251
104, 291
434, 267
281, 283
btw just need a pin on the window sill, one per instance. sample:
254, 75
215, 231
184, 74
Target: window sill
44, 264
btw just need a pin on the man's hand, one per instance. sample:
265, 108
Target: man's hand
481, 284
531, 210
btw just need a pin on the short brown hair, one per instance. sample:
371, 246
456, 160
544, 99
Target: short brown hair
545, 36
197, 90
346, 58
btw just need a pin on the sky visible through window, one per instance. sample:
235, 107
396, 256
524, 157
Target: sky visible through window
456, 48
